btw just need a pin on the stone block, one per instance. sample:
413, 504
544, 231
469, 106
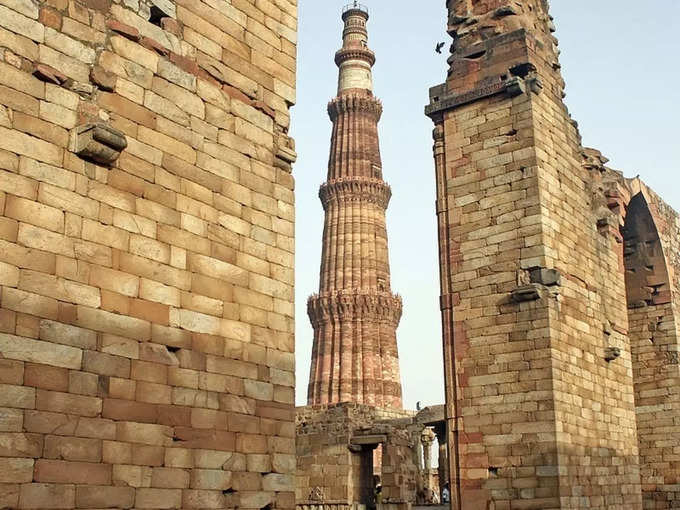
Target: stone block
132, 476
73, 449
67, 403
34, 213
11, 420
170, 478
63, 472
278, 483
14, 470
81, 383
141, 433
65, 334
9, 275
43, 495
105, 497
46, 377
35, 351
158, 499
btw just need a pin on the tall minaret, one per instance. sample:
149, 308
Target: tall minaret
355, 315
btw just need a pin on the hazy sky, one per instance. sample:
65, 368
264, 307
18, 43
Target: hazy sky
620, 62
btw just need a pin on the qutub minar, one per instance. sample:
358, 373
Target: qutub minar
355, 315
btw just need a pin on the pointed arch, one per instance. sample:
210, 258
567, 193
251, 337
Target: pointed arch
647, 277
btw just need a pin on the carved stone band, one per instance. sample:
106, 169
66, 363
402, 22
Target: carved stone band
355, 53
512, 87
349, 189
354, 103
355, 305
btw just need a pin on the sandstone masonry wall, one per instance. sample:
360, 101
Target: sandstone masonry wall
146, 254
551, 396
333, 469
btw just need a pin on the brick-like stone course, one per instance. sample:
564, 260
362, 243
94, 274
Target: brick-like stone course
146, 307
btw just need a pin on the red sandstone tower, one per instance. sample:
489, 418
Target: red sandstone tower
355, 315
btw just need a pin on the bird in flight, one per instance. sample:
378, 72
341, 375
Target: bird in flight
439, 47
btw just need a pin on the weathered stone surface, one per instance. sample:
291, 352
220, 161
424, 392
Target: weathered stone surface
26, 349
117, 275
547, 291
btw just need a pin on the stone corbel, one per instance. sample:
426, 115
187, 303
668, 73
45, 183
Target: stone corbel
547, 277
515, 87
98, 142
611, 354
535, 84
526, 293
533, 283
528, 76
285, 153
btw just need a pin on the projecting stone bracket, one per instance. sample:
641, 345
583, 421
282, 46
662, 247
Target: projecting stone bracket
285, 153
526, 293
515, 87
98, 142
533, 281
547, 277
611, 354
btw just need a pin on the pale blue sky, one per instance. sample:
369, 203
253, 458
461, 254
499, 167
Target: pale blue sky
620, 62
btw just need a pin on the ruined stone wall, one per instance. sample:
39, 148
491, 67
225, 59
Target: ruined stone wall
323, 459
539, 367
334, 469
146, 254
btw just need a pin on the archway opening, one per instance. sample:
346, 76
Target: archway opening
647, 281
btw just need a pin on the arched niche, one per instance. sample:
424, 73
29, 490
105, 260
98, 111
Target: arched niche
647, 280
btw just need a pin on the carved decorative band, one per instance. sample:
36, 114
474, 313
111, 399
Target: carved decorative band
354, 305
354, 189
512, 88
356, 53
354, 103
354, 29
326, 506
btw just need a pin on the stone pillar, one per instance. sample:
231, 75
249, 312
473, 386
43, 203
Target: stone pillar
355, 315
427, 438
446, 244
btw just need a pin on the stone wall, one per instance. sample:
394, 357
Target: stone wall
336, 454
547, 370
146, 254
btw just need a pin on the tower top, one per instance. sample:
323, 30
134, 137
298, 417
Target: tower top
354, 9
355, 59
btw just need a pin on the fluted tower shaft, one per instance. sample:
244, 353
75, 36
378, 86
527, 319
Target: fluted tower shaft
355, 315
